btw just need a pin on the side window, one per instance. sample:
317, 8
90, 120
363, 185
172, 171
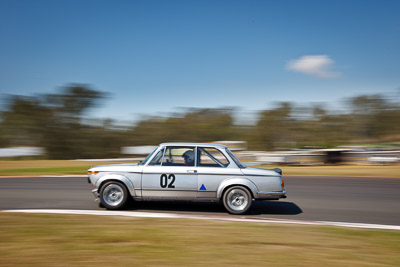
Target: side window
211, 157
179, 156
156, 161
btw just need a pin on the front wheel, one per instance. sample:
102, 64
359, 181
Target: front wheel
113, 195
237, 200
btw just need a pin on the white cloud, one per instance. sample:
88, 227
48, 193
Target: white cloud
315, 65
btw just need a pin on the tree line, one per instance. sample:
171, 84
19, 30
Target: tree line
59, 123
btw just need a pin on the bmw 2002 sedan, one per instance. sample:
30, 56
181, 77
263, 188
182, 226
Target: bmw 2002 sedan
187, 171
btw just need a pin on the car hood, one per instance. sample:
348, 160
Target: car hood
258, 171
117, 168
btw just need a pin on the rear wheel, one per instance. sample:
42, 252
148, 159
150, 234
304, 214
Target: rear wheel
237, 200
113, 195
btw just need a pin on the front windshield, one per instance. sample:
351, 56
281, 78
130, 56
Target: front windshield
148, 157
235, 159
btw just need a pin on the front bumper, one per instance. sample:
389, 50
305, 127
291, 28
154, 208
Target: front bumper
271, 195
96, 194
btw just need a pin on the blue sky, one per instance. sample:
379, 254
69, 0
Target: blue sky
155, 56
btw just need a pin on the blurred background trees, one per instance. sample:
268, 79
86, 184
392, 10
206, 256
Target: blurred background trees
59, 123
52, 121
194, 125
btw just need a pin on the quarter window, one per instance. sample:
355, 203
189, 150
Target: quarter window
211, 157
235, 159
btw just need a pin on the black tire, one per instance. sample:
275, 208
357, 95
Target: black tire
114, 195
237, 200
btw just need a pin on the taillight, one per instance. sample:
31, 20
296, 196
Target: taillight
282, 183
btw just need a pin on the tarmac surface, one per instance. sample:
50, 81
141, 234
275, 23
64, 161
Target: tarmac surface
314, 198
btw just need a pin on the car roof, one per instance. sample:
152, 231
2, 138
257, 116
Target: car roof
193, 144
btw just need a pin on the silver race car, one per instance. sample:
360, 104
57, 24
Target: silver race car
187, 171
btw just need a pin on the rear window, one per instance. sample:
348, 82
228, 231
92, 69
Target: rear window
211, 157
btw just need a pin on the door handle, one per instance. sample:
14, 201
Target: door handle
191, 171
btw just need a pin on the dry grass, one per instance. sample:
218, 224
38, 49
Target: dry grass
48, 167
71, 240
58, 167
30, 164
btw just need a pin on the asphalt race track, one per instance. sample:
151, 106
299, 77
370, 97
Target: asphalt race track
340, 199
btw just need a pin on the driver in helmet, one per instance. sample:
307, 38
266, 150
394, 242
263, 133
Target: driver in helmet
188, 156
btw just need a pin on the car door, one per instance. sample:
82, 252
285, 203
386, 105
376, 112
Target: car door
213, 168
171, 174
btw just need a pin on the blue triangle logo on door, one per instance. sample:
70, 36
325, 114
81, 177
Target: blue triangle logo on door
203, 188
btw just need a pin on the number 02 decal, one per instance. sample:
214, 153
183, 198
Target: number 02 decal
164, 181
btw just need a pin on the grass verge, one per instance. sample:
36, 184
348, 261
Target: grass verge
61, 167
75, 240
48, 167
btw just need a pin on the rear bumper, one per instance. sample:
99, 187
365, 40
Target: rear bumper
271, 195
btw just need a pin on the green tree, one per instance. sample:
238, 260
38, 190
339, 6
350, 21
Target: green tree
373, 117
65, 136
273, 129
23, 120
52, 121
196, 125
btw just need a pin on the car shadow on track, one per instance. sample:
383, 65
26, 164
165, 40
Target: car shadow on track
274, 208
258, 207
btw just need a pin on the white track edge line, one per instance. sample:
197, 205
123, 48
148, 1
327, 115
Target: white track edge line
202, 217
